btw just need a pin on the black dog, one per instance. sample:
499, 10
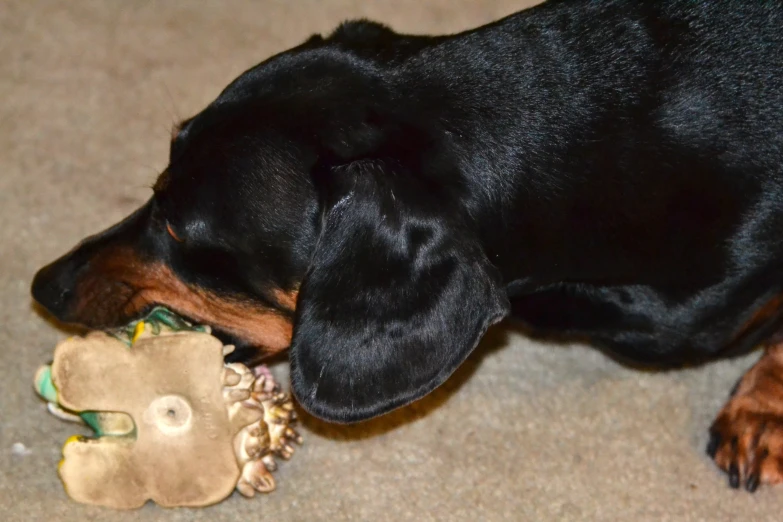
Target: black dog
609, 169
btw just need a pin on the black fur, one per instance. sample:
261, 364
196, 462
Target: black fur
614, 168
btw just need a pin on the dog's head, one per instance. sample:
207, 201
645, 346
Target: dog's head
303, 208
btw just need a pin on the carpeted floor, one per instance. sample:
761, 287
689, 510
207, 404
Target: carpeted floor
88, 93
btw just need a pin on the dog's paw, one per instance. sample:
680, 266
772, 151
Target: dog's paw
748, 445
746, 439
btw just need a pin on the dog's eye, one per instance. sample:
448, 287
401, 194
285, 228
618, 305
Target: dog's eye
173, 234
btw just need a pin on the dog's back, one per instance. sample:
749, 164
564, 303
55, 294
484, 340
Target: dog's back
623, 161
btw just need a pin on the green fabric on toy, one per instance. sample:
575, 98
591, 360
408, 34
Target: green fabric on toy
159, 319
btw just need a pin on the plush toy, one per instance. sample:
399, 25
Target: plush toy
173, 422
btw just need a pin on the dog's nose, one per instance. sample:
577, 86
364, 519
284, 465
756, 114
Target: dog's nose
52, 288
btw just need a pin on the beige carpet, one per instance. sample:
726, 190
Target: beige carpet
524, 431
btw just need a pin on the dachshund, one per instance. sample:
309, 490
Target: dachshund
373, 202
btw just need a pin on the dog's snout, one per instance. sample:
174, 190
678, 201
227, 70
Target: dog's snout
53, 288
67, 288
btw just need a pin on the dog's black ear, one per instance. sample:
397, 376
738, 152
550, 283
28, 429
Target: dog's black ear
398, 294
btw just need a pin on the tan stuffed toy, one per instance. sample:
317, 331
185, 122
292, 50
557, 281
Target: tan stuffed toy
174, 424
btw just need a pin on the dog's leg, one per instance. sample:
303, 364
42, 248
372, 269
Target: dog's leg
746, 439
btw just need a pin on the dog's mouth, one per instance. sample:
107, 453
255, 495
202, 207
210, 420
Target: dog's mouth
244, 351
106, 299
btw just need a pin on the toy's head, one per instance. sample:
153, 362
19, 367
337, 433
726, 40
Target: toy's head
173, 423
174, 437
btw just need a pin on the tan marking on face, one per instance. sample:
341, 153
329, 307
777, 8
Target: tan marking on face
257, 325
173, 234
287, 299
120, 285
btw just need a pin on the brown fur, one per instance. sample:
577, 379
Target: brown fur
121, 285
749, 428
288, 299
760, 316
